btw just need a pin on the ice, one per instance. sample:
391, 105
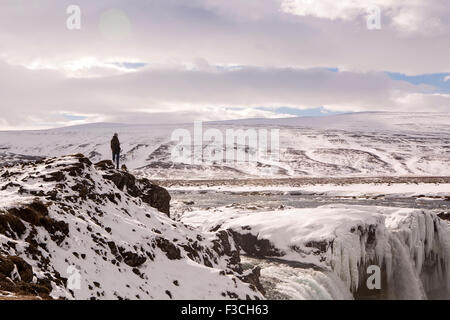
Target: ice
410, 246
285, 282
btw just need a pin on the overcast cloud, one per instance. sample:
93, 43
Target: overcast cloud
173, 60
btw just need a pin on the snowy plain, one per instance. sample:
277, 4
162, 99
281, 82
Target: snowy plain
359, 144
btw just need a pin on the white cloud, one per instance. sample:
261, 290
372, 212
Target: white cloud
343, 9
425, 102
235, 32
215, 59
177, 94
418, 16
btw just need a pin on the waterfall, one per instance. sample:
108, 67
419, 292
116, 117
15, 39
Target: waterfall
283, 282
412, 251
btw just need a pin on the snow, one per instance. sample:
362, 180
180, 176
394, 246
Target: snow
361, 121
130, 224
361, 144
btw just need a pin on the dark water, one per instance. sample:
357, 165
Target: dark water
273, 200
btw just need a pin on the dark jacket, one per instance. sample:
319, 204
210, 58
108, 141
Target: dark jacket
115, 145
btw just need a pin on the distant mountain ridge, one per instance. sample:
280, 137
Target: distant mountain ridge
355, 144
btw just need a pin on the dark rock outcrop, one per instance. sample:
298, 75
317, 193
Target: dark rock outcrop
444, 216
16, 276
156, 196
254, 247
172, 252
11, 226
253, 277
36, 214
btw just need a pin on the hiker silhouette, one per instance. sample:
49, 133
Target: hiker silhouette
115, 148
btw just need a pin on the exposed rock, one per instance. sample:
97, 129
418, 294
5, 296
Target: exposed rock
169, 248
253, 277
105, 165
36, 214
16, 276
154, 195
11, 226
132, 259
224, 245
254, 247
444, 216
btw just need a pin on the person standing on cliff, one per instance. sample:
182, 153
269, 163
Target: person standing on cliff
115, 148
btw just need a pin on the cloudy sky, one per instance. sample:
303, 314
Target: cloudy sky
154, 61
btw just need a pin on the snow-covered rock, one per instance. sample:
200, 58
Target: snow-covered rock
70, 229
411, 247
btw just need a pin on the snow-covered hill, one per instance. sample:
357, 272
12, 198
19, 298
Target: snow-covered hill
359, 144
71, 229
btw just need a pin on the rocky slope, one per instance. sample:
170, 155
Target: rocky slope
74, 230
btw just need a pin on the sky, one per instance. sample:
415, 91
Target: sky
172, 61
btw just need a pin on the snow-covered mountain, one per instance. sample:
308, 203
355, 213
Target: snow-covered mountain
72, 229
358, 144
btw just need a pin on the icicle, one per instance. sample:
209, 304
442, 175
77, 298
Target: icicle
403, 250
405, 279
430, 234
